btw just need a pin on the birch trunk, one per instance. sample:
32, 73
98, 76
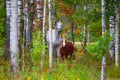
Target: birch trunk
39, 12
85, 36
38, 9
8, 14
54, 13
50, 35
19, 5
88, 31
31, 1
85, 29
19, 13
103, 70
88, 37
14, 37
27, 27
72, 33
116, 37
23, 34
112, 42
103, 18
43, 34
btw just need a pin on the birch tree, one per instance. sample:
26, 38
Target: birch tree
8, 14
103, 69
31, 1
19, 13
116, 36
43, 34
103, 18
85, 28
88, 32
112, 33
85, 35
27, 27
39, 12
14, 37
88, 35
50, 37
54, 13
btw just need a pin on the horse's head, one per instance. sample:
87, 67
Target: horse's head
63, 37
59, 26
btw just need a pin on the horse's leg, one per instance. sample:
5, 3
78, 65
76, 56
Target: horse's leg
70, 54
62, 57
54, 53
66, 56
58, 53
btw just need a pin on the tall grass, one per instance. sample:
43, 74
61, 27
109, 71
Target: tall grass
84, 67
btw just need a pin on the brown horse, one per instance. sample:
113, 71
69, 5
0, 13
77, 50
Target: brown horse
66, 49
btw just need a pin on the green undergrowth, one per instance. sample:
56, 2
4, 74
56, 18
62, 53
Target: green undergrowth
83, 67
87, 67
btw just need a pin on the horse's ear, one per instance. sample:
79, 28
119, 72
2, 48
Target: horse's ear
65, 36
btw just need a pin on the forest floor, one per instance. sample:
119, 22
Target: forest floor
83, 67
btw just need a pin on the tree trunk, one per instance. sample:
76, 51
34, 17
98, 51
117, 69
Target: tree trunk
116, 37
31, 1
103, 70
50, 35
39, 13
19, 33
54, 13
43, 34
27, 28
112, 33
8, 14
19, 13
14, 37
85, 36
103, 18
72, 32
88, 37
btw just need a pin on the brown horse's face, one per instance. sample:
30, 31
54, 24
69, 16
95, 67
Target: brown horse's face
63, 37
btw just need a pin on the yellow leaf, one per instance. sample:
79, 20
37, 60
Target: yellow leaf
28, 78
78, 79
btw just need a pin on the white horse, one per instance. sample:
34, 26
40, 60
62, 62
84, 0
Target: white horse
56, 40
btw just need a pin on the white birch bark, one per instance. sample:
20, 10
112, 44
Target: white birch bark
14, 37
39, 11
103, 18
112, 34
31, 1
54, 13
116, 37
19, 13
8, 14
103, 69
88, 31
43, 34
8, 8
27, 27
50, 35
85, 36
88, 35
